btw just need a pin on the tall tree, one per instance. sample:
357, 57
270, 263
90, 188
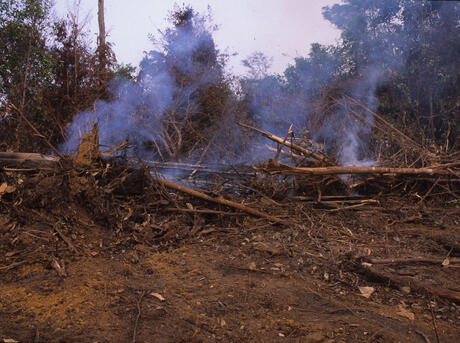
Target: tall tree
101, 45
416, 45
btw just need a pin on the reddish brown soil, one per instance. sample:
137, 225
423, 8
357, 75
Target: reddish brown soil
216, 278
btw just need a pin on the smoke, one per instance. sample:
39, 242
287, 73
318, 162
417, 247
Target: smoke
134, 115
359, 133
167, 81
311, 94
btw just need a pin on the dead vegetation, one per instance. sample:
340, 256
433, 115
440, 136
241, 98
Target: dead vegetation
296, 248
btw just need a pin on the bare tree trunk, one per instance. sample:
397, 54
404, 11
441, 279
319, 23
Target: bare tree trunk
102, 48
433, 135
26, 73
75, 59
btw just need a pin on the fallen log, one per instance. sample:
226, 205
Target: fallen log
293, 146
338, 170
222, 201
26, 160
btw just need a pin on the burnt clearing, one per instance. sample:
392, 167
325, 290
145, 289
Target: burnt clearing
106, 250
186, 204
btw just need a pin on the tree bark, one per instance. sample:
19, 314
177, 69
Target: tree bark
102, 47
337, 170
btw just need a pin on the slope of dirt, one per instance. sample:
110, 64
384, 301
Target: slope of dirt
102, 256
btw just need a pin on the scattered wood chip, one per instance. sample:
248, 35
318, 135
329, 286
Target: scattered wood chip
252, 266
158, 296
446, 262
404, 312
59, 268
3, 187
270, 248
366, 292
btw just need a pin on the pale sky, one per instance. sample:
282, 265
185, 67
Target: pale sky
282, 29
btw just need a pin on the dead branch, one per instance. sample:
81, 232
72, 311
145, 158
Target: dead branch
337, 170
65, 239
189, 210
343, 201
13, 265
283, 143
27, 160
138, 316
115, 149
18, 111
280, 140
222, 201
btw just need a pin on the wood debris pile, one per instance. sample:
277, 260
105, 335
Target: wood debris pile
358, 225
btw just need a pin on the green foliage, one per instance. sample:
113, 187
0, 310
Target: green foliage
125, 71
417, 46
47, 70
22, 41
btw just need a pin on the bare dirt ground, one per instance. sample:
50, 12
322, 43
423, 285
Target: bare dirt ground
82, 259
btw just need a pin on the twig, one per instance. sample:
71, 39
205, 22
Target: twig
13, 265
280, 146
429, 191
338, 202
173, 209
434, 324
425, 337
136, 322
37, 335
346, 208
19, 169
408, 260
65, 239
113, 150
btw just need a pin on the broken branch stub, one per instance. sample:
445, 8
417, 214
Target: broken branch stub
293, 146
